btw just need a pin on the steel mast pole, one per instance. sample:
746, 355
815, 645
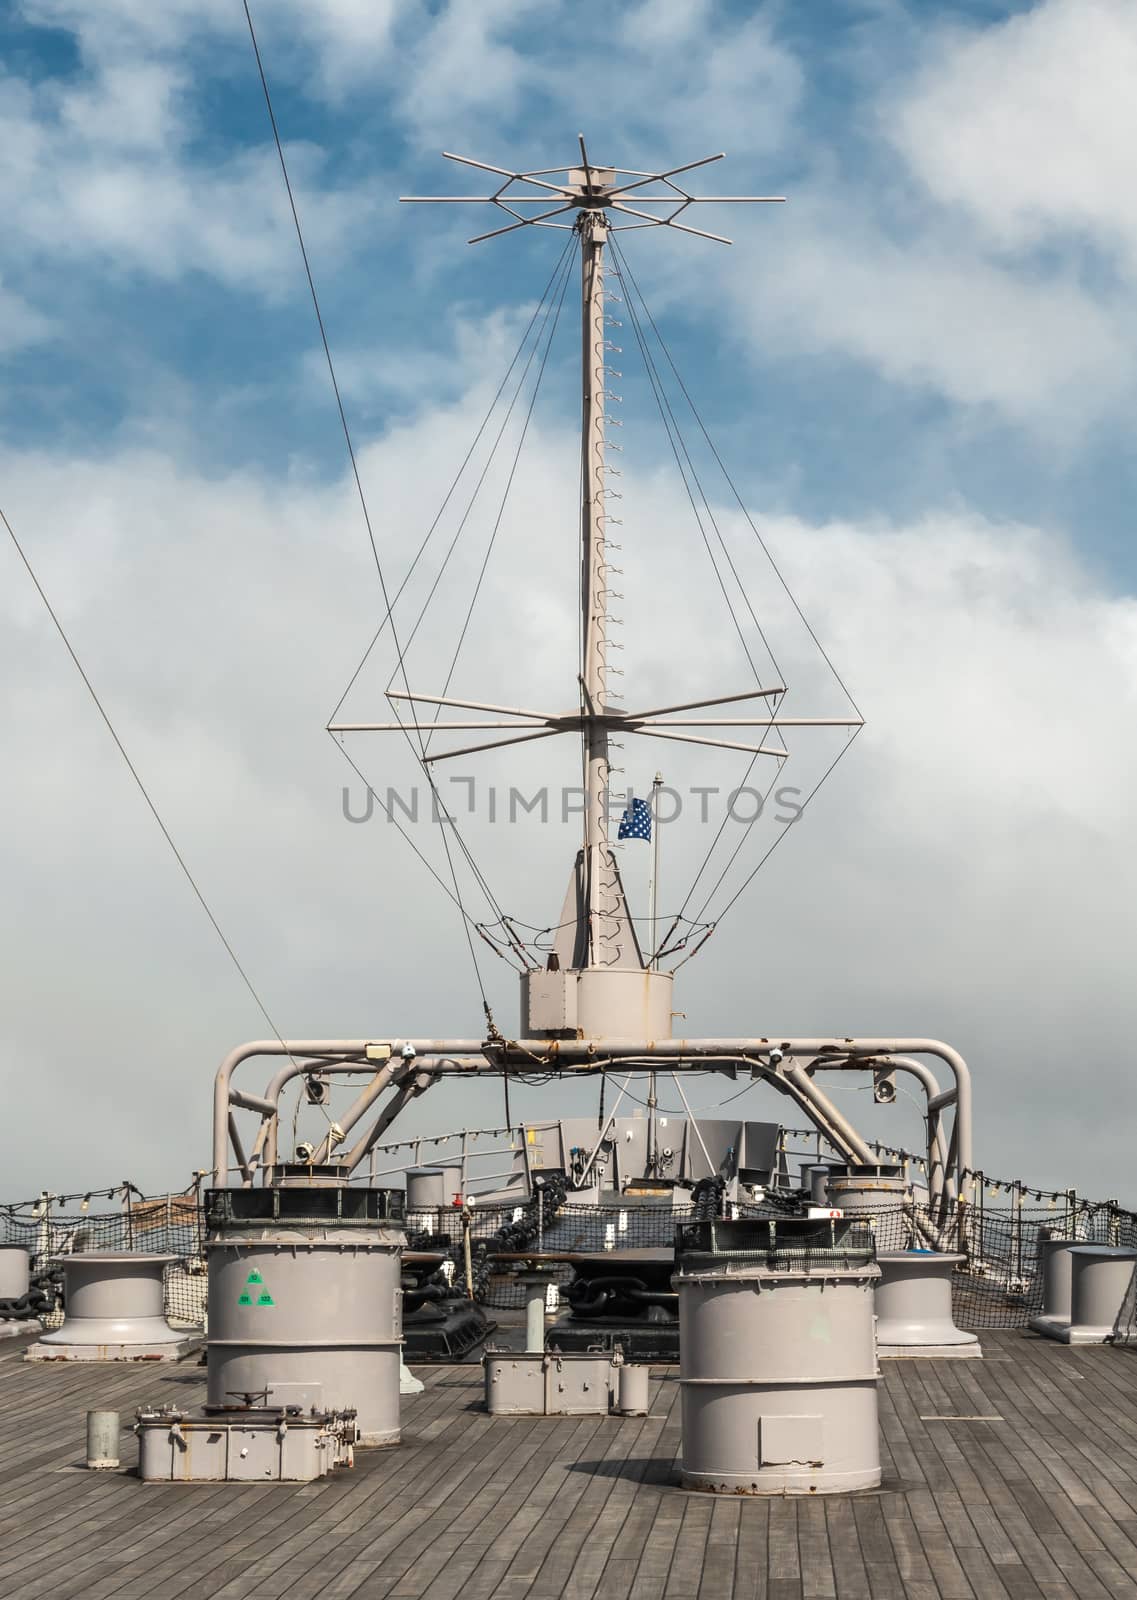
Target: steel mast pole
600, 875
653, 901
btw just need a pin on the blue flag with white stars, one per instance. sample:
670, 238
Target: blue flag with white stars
636, 821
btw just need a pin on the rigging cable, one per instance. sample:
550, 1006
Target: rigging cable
563, 265
442, 813
678, 444
142, 789
747, 881
700, 915
662, 400
429, 865
524, 340
545, 306
505, 493
739, 500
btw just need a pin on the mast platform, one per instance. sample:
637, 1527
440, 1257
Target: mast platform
1037, 1499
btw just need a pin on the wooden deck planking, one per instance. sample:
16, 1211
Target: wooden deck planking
1042, 1503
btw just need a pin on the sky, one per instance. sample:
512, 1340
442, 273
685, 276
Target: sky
920, 373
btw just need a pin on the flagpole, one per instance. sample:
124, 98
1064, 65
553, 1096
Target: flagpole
653, 881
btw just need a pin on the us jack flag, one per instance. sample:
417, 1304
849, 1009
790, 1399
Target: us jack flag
636, 821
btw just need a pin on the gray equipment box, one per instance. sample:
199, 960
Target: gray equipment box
539, 1383
243, 1444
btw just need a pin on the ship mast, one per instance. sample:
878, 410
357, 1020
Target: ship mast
596, 982
600, 869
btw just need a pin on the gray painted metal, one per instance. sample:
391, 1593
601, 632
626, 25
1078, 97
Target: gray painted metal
309, 1301
426, 1188
553, 1384
15, 1272
866, 1189
1057, 1285
775, 1059
113, 1311
102, 1439
256, 1446
633, 1393
536, 1285
815, 1177
777, 1360
597, 1002
913, 1306
1100, 1292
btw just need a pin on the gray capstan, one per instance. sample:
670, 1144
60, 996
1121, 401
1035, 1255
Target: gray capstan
1102, 1279
305, 1303
777, 1358
114, 1312
1057, 1285
913, 1306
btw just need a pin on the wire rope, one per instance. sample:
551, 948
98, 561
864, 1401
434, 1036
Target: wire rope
545, 307
442, 813
741, 503
629, 277
142, 789
681, 453
524, 340
506, 492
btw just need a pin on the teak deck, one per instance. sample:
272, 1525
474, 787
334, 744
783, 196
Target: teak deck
1037, 1499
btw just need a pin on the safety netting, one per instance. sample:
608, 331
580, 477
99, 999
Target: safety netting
997, 1283
54, 1227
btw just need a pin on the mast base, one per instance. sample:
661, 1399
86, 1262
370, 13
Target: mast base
596, 1003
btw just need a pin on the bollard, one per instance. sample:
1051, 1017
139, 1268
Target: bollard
1056, 1270
15, 1272
1101, 1294
102, 1439
632, 1391
913, 1306
535, 1281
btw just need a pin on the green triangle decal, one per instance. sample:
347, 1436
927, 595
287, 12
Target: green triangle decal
245, 1300
254, 1277
265, 1300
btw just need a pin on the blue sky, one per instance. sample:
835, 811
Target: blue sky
142, 329
921, 371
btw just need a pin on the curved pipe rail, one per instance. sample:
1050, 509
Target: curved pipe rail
442, 1056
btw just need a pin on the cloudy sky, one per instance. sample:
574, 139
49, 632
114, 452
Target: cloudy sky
921, 373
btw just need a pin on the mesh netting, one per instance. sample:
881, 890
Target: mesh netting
997, 1285
166, 1225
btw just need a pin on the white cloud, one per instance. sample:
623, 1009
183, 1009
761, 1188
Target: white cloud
98, 175
707, 80
931, 312
1029, 126
103, 166
967, 873
1024, 125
